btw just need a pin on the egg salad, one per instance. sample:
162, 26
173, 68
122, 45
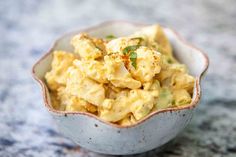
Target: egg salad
119, 79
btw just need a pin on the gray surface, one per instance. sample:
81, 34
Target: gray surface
29, 27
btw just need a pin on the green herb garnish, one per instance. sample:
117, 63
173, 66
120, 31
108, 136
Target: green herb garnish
110, 36
98, 48
169, 60
129, 49
133, 58
138, 38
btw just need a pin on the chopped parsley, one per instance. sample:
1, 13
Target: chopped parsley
130, 50
133, 57
138, 38
110, 36
169, 60
98, 48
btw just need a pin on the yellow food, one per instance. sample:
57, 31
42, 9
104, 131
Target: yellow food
148, 64
117, 73
57, 76
120, 80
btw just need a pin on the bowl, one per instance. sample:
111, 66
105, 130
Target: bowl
155, 130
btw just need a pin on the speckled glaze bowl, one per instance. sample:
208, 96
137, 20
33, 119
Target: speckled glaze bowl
90, 132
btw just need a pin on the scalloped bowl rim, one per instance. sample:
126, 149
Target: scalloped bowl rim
192, 105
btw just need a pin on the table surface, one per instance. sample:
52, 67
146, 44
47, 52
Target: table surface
28, 28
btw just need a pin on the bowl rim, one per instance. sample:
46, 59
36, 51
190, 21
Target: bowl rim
192, 105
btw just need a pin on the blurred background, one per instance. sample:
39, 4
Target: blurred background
29, 27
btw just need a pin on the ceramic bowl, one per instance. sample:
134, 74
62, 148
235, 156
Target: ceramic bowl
153, 131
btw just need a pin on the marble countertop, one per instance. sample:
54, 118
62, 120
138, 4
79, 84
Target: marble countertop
29, 27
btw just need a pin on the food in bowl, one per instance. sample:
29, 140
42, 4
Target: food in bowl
119, 79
